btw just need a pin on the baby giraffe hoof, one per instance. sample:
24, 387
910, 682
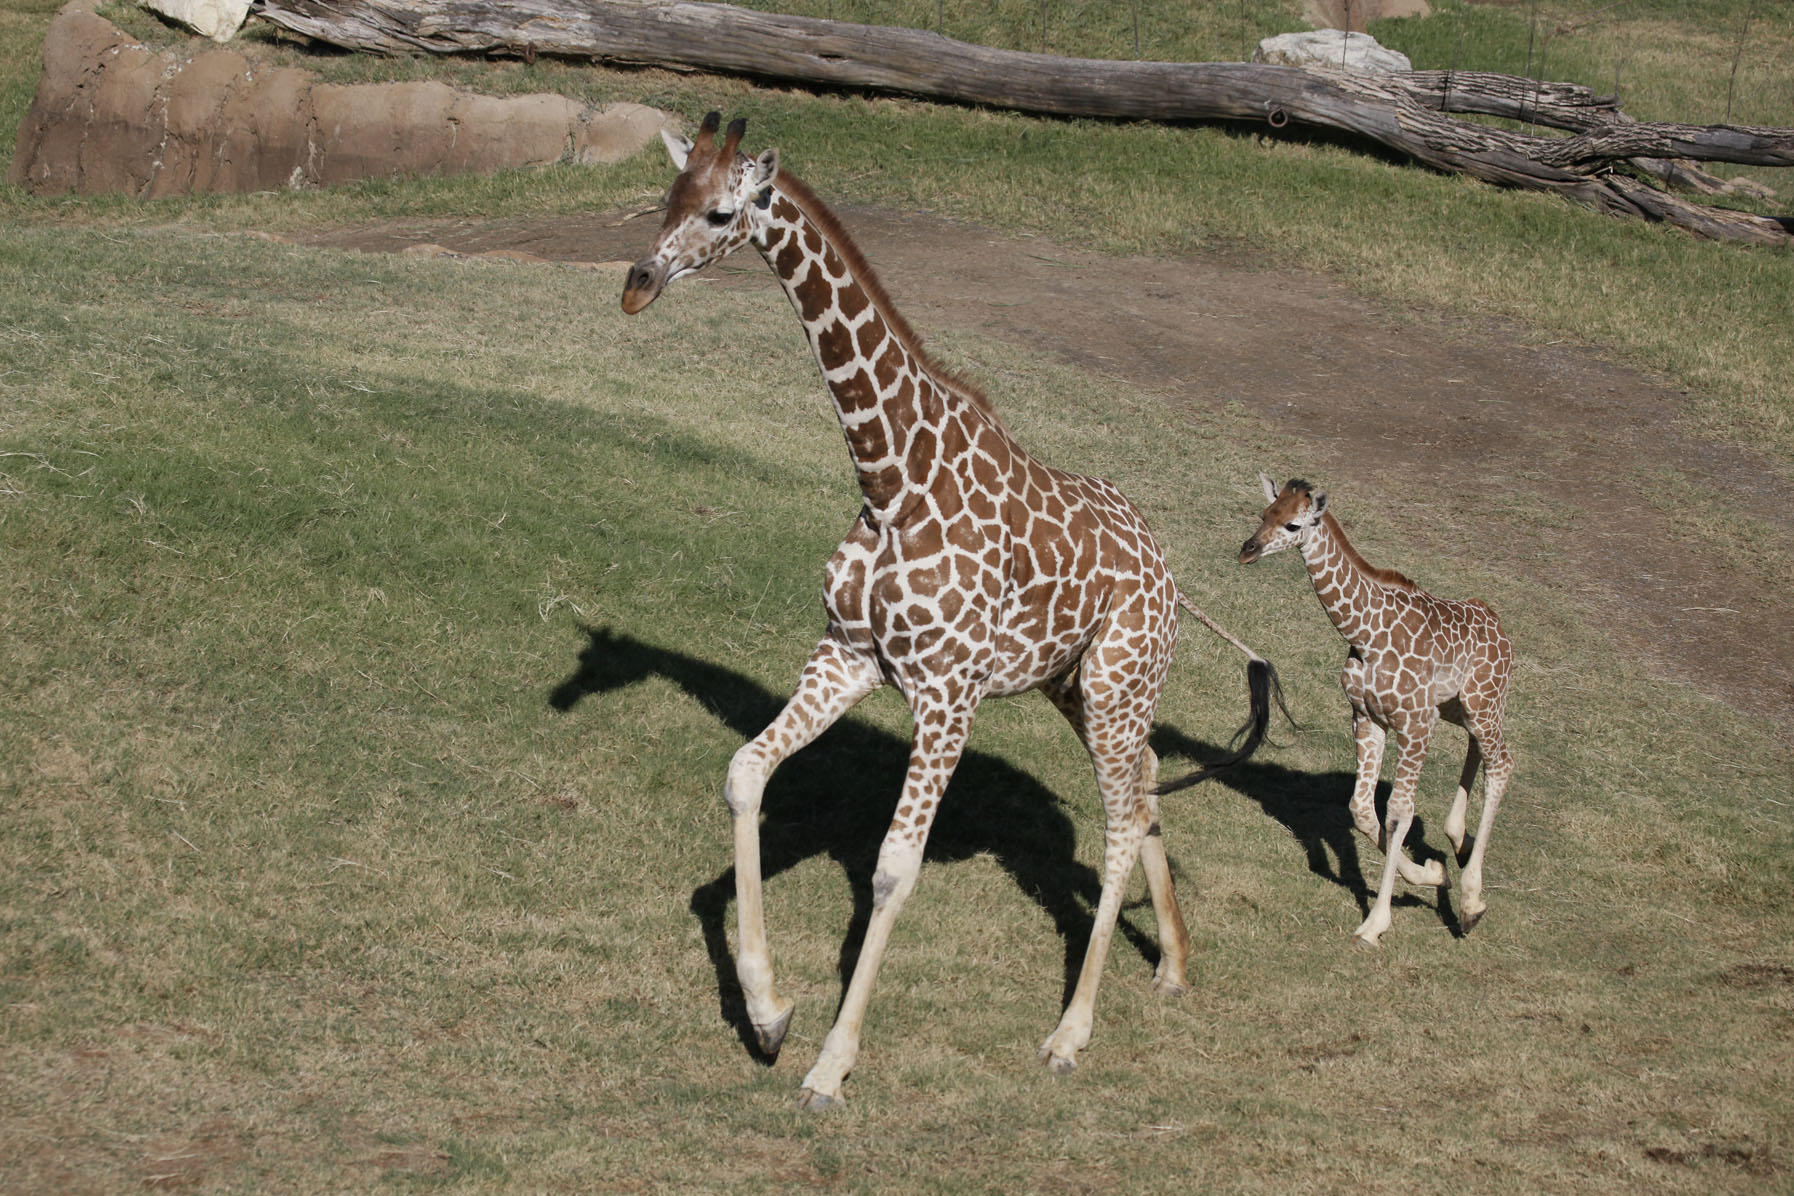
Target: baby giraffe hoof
812, 1101
1469, 920
1363, 943
772, 1035
1169, 988
1059, 1065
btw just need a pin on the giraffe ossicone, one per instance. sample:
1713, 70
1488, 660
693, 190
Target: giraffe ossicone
971, 571
1412, 658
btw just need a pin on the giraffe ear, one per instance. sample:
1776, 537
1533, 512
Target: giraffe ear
678, 148
1320, 503
766, 168
1264, 479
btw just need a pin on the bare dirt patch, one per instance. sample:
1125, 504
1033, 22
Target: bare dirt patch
1548, 455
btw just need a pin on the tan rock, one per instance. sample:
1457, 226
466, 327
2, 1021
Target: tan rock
110, 115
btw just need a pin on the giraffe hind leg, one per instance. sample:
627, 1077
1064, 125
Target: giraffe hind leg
1168, 978
1499, 770
1460, 803
1116, 739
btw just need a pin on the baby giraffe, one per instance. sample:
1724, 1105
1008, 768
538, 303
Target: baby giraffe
1410, 658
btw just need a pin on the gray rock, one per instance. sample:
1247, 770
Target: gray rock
1330, 48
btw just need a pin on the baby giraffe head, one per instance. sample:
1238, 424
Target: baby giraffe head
1293, 510
719, 200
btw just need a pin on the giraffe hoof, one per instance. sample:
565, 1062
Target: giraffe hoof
1361, 943
812, 1101
772, 1035
1169, 988
1059, 1065
1468, 922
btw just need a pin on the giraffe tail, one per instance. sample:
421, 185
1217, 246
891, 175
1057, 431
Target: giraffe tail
1262, 688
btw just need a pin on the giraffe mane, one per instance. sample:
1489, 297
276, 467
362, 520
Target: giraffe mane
1384, 577
819, 214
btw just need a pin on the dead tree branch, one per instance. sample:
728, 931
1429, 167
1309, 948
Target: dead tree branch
1407, 113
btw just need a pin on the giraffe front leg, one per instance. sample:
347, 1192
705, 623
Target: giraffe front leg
1412, 735
939, 738
832, 681
1369, 739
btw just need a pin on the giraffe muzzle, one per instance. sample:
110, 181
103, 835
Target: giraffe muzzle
643, 285
1249, 551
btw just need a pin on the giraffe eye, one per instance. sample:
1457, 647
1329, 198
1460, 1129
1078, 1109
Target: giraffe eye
718, 217
1292, 527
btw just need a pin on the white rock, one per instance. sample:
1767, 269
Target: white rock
216, 19
1330, 47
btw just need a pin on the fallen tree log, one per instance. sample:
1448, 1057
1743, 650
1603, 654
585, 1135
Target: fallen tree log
1405, 112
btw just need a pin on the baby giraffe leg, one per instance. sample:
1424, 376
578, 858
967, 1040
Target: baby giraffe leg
1460, 803
1412, 737
1495, 779
1370, 739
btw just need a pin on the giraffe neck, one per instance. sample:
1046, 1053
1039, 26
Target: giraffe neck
891, 400
1346, 584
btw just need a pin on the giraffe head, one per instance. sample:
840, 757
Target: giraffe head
715, 205
1293, 510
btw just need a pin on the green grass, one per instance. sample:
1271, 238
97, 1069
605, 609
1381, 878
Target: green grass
1666, 60
1709, 318
342, 854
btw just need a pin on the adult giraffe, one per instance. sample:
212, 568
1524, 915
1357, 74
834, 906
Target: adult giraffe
972, 571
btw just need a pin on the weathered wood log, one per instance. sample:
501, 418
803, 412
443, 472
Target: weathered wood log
1404, 112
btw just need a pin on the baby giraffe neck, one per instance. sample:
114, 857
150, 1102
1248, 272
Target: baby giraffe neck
1340, 578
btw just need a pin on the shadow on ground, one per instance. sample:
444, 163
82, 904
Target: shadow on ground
991, 808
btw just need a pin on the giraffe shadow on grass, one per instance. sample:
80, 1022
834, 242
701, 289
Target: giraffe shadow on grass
836, 797
1315, 809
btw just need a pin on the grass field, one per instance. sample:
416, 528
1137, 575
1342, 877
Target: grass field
375, 632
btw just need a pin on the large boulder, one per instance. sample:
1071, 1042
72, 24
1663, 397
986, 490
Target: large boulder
111, 115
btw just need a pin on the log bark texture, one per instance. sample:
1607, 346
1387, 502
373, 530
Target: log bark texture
1407, 113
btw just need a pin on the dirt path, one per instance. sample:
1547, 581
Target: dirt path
1379, 401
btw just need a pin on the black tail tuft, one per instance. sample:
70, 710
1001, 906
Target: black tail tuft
1262, 684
